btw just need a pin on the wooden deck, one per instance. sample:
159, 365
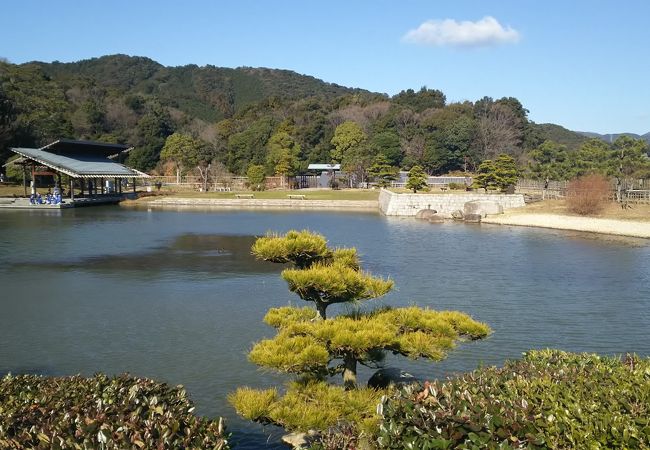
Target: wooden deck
23, 203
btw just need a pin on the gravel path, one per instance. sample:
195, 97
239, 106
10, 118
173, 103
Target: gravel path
588, 224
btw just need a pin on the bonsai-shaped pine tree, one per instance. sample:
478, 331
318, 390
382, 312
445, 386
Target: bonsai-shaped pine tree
417, 179
505, 170
498, 174
382, 171
486, 177
316, 348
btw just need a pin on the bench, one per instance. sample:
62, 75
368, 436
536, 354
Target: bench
297, 196
244, 195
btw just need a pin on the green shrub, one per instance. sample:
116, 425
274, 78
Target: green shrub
550, 399
457, 186
101, 412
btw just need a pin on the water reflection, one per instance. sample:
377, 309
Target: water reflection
188, 254
178, 297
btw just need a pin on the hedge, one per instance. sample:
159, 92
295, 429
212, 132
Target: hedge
550, 399
120, 412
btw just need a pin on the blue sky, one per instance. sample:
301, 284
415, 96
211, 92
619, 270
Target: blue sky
581, 64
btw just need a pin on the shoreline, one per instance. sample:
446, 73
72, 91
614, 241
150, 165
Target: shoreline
612, 227
514, 217
254, 203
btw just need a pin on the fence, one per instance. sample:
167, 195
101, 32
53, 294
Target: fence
625, 190
232, 183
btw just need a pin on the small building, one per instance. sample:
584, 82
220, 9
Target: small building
90, 168
327, 172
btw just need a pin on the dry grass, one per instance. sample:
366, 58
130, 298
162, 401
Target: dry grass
612, 210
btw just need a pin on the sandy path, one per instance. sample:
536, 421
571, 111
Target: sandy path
561, 222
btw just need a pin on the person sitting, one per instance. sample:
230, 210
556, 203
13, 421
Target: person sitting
39, 199
32, 199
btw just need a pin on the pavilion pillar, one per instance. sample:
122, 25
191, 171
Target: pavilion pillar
25, 179
71, 188
134, 185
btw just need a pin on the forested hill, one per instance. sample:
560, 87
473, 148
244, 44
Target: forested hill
237, 118
209, 93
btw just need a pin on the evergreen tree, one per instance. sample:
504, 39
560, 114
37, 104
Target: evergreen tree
314, 347
486, 177
417, 179
505, 170
382, 171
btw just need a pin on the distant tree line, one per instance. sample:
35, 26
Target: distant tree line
190, 118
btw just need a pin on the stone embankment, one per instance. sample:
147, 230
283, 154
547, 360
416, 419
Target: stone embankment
235, 203
392, 204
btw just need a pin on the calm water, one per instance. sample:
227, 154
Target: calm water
175, 295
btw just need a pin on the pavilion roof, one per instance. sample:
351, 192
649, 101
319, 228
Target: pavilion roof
80, 164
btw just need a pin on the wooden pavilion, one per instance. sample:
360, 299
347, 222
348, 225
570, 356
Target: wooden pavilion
91, 167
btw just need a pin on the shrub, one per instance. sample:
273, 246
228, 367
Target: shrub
101, 412
256, 177
588, 194
550, 399
457, 186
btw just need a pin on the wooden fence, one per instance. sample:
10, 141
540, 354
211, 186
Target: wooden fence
233, 183
625, 190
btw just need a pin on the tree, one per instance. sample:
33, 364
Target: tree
417, 179
382, 171
506, 172
592, 157
184, 151
311, 345
486, 177
500, 130
550, 160
347, 138
387, 143
630, 157
283, 153
256, 177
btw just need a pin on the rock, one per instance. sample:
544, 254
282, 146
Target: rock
436, 218
390, 377
300, 440
457, 215
482, 207
475, 218
425, 213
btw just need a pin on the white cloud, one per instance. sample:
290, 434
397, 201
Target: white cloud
482, 33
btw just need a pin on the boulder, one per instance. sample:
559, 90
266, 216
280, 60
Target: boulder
482, 207
425, 213
300, 440
457, 215
436, 218
475, 218
390, 377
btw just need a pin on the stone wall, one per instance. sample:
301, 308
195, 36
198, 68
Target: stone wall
366, 205
392, 204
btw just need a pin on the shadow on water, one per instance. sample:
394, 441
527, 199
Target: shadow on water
189, 254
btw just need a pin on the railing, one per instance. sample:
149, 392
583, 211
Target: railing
631, 190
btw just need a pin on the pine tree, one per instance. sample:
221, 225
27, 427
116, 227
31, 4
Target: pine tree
417, 179
382, 171
505, 170
486, 177
314, 347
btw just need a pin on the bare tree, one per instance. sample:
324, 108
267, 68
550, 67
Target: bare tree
499, 131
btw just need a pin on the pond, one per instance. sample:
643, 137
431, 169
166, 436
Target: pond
175, 294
